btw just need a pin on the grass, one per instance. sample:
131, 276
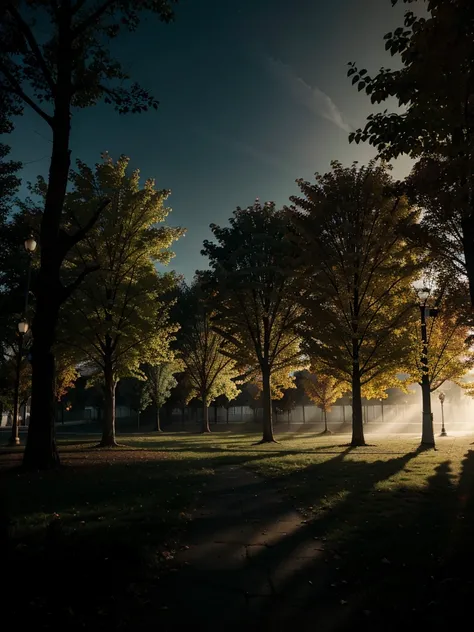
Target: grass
395, 521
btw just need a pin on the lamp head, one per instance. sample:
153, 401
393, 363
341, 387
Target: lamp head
23, 327
423, 293
30, 244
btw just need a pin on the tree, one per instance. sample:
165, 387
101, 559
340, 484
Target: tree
209, 371
450, 352
134, 393
248, 289
119, 317
324, 391
358, 273
434, 88
54, 57
160, 382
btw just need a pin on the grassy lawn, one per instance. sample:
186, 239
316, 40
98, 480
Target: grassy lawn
93, 538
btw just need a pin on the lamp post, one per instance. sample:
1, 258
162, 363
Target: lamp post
15, 437
30, 247
442, 397
427, 435
381, 406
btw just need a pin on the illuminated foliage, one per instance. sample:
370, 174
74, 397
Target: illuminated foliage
160, 380
210, 373
55, 57
323, 390
119, 315
357, 273
450, 352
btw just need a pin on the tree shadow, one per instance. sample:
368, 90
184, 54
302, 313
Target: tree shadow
391, 556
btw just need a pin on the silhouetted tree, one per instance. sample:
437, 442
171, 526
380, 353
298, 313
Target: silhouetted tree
358, 273
54, 57
248, 291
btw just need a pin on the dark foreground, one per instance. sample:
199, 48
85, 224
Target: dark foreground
215, 533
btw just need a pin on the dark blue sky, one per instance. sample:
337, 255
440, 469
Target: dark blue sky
253, 94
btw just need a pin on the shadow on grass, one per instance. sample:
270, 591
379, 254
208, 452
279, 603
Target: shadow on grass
393, 556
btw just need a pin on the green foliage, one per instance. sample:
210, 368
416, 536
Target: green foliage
134, 393
433, 85
434, 88
52, 50
160, 380
120, 313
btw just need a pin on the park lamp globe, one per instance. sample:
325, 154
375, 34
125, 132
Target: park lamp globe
30, 244
423, 294
23, 327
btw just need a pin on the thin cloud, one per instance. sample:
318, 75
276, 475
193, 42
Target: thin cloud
255, 153
314, 99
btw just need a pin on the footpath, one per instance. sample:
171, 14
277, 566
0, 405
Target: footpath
246, 561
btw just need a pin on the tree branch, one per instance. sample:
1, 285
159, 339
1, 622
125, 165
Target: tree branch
69, 289
30, 38
93, 18
16, 89
69, 241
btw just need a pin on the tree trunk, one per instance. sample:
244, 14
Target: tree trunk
205, 418
304, 418
40, 451
227, 415
357, 423
158, 420
108, 428
467, 228
267, 407
325, 421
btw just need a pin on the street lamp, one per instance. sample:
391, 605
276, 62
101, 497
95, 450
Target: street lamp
15, 436
23, 327
427, 436
442, 397
381, 406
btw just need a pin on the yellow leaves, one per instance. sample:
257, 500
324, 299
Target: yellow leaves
448, 356
323, 390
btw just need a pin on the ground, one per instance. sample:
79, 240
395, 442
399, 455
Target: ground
306, 532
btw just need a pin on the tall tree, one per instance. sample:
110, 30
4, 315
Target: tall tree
450, 353
249, 292
160, 380
55, 57
358, 273
435, 89
119, 316
210, 373
324, 391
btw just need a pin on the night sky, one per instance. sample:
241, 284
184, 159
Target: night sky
253, 94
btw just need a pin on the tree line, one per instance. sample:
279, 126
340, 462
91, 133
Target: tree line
325, 283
